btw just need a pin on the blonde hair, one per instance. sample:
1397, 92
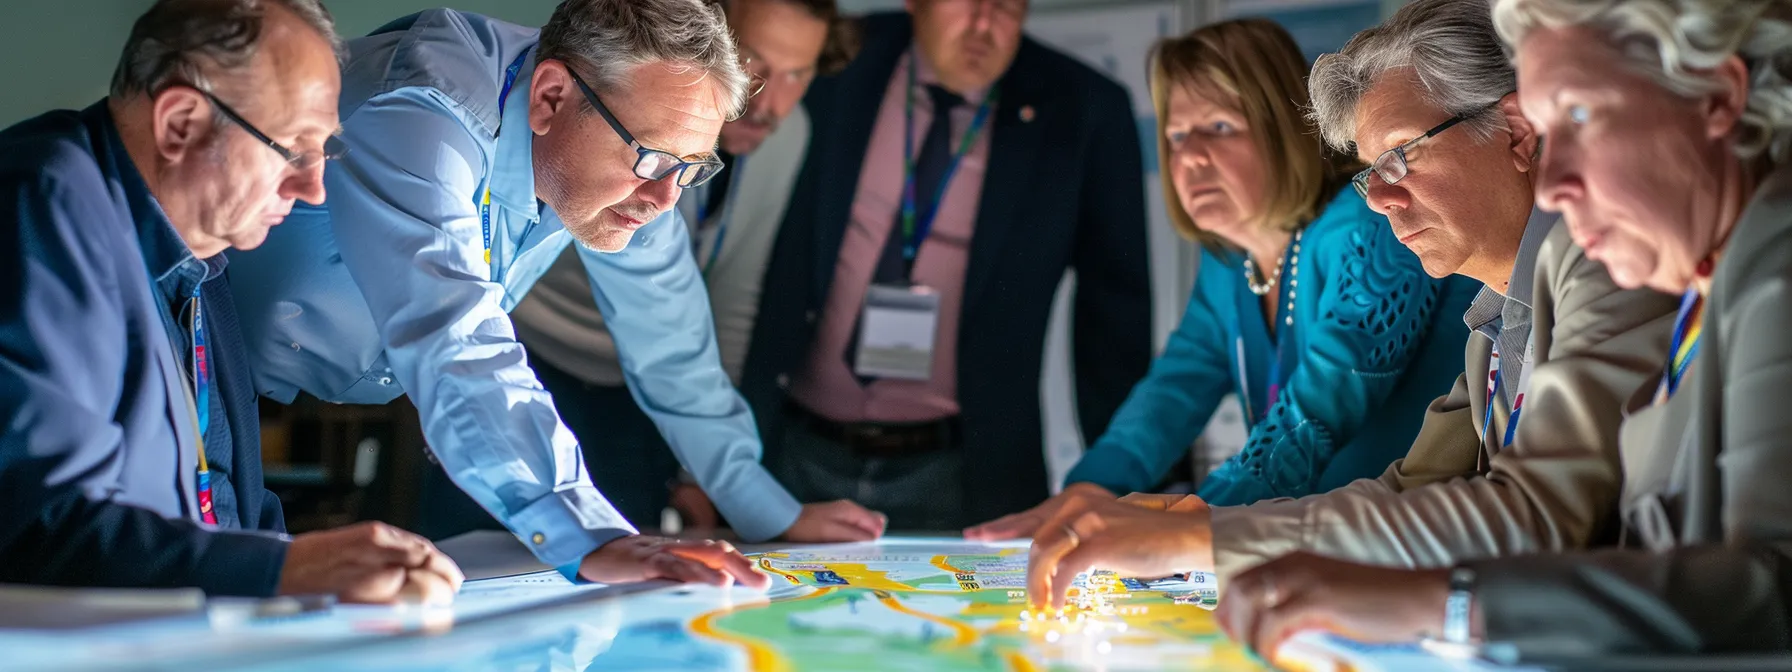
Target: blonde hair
1678, 42
1254, 67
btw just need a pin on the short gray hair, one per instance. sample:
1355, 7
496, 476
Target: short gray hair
1448, 46
608, 39
1677, 43
171, 42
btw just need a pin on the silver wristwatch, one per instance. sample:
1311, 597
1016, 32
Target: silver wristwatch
1459, 606
1458, 637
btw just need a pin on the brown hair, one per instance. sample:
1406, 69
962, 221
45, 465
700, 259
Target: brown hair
1254, 67
842, 43
843, 36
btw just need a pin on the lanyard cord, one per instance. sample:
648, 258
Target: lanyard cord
915, 226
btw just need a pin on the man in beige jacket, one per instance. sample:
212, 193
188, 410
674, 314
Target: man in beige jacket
1427, 99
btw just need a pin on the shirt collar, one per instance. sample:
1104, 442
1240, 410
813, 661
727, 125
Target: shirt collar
1489, 305
1536, 230
185, 278
513, 165
162, 248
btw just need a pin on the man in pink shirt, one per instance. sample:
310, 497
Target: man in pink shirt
957, 171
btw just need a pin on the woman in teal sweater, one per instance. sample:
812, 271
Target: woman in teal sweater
1306, 305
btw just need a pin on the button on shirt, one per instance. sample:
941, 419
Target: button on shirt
826, 386
1506, 318
387, 289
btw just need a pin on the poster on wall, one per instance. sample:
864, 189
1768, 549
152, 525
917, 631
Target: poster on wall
1318, 26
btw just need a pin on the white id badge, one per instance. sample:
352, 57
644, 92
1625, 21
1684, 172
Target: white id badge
896, 332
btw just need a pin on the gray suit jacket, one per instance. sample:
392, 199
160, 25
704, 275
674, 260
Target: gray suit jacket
1458, 495
1707, 496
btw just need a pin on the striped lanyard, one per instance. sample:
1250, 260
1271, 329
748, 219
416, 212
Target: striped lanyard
485, 201
1495, 383
916, 226
202, 396
1688, 327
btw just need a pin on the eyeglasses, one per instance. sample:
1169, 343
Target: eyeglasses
760, 75
654, 164
1391, 165
755, 78
333, 148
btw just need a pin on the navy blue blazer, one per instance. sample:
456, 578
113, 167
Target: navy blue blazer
1063, 191
97, 454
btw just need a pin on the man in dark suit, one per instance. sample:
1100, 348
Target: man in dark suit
130, 455
896, 359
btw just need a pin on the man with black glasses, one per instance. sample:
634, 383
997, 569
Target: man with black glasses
478, 150
130, 455
734, 219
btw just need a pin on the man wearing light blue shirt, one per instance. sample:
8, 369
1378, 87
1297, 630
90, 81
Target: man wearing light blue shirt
478, 150
734, 221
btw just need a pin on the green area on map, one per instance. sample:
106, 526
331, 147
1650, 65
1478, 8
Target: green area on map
963, 607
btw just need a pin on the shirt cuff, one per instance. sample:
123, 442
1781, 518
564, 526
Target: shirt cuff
242, 564
757, 507
571, 572
564, 527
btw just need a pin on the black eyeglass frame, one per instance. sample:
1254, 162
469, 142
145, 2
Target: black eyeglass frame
333, 148
1361, 179
706, 168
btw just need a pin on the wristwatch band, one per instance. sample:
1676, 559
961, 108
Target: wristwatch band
1459, 606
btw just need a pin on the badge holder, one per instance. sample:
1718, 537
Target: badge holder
897, 332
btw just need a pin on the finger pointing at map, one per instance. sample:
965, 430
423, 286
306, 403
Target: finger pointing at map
1106, 534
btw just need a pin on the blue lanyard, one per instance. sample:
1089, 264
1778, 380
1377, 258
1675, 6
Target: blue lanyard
1493, 393
1671, 380
915, 229
740, 165
202, 375
202, 395
485, 202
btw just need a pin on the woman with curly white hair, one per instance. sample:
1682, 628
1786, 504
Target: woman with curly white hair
1667, 127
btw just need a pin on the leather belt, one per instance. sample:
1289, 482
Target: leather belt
883, 440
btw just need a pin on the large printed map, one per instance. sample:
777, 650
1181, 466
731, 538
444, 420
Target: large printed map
955, 606
895, 604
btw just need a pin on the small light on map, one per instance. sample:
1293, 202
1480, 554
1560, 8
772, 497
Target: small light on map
1052, 636
1104, 647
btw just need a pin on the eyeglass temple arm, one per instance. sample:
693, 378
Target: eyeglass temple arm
245, 125
601, 110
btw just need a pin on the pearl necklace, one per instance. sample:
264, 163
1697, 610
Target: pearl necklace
1262, 288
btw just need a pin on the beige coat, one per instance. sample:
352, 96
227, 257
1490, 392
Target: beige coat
1458, 495
1707, 499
